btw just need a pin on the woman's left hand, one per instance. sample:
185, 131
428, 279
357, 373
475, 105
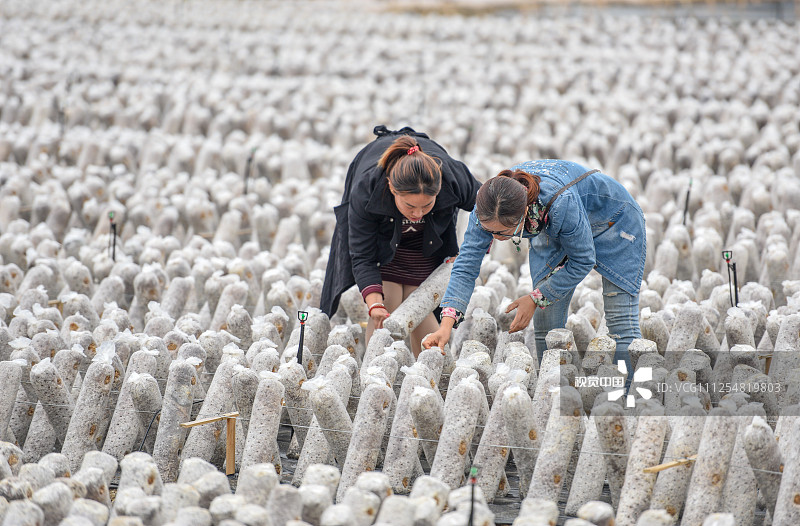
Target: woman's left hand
525, 309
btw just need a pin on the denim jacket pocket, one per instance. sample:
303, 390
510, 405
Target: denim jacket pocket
598, 227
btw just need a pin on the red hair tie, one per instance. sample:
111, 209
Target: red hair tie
413, 149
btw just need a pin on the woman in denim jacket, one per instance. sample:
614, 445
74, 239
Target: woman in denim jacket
592, 223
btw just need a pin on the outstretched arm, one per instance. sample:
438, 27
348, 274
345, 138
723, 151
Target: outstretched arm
465, 271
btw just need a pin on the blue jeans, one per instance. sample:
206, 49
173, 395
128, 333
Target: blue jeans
622, 319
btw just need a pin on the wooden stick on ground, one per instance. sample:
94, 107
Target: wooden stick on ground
767, 361
671, 464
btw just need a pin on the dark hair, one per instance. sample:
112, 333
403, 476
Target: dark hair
411, 173
506, 197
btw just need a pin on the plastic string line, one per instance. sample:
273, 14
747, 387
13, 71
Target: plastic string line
666, 441
389, 435
74, 388
73, 407
499, 446
489, 396
28, 402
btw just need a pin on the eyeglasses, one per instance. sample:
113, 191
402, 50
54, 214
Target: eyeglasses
502, 234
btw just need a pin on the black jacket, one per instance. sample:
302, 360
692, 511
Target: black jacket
368, 224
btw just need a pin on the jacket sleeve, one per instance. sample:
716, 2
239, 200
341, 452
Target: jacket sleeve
467, 266
363, 232
570, 226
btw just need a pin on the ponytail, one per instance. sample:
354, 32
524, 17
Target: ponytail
507, 196
529, 181
409, 169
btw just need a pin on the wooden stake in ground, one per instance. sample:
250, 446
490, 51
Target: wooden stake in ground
230, 437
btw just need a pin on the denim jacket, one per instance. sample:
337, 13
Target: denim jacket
595, 223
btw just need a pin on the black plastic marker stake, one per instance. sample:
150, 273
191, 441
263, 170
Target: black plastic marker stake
302, 316
727, 255
473, 480
113, 233
686, 205
247, 169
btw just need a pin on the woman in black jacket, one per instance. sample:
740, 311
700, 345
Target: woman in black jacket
396, 223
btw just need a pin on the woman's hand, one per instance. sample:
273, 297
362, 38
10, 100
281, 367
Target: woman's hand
441, 336
437, 339
378, 315
525, 309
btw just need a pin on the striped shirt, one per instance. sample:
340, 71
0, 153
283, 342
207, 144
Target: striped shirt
409, 266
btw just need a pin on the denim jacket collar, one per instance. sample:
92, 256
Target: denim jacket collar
546, 190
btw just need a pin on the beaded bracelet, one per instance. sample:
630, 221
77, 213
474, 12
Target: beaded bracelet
373, 306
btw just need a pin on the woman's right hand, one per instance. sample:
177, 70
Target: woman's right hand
437, 339
378, 315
